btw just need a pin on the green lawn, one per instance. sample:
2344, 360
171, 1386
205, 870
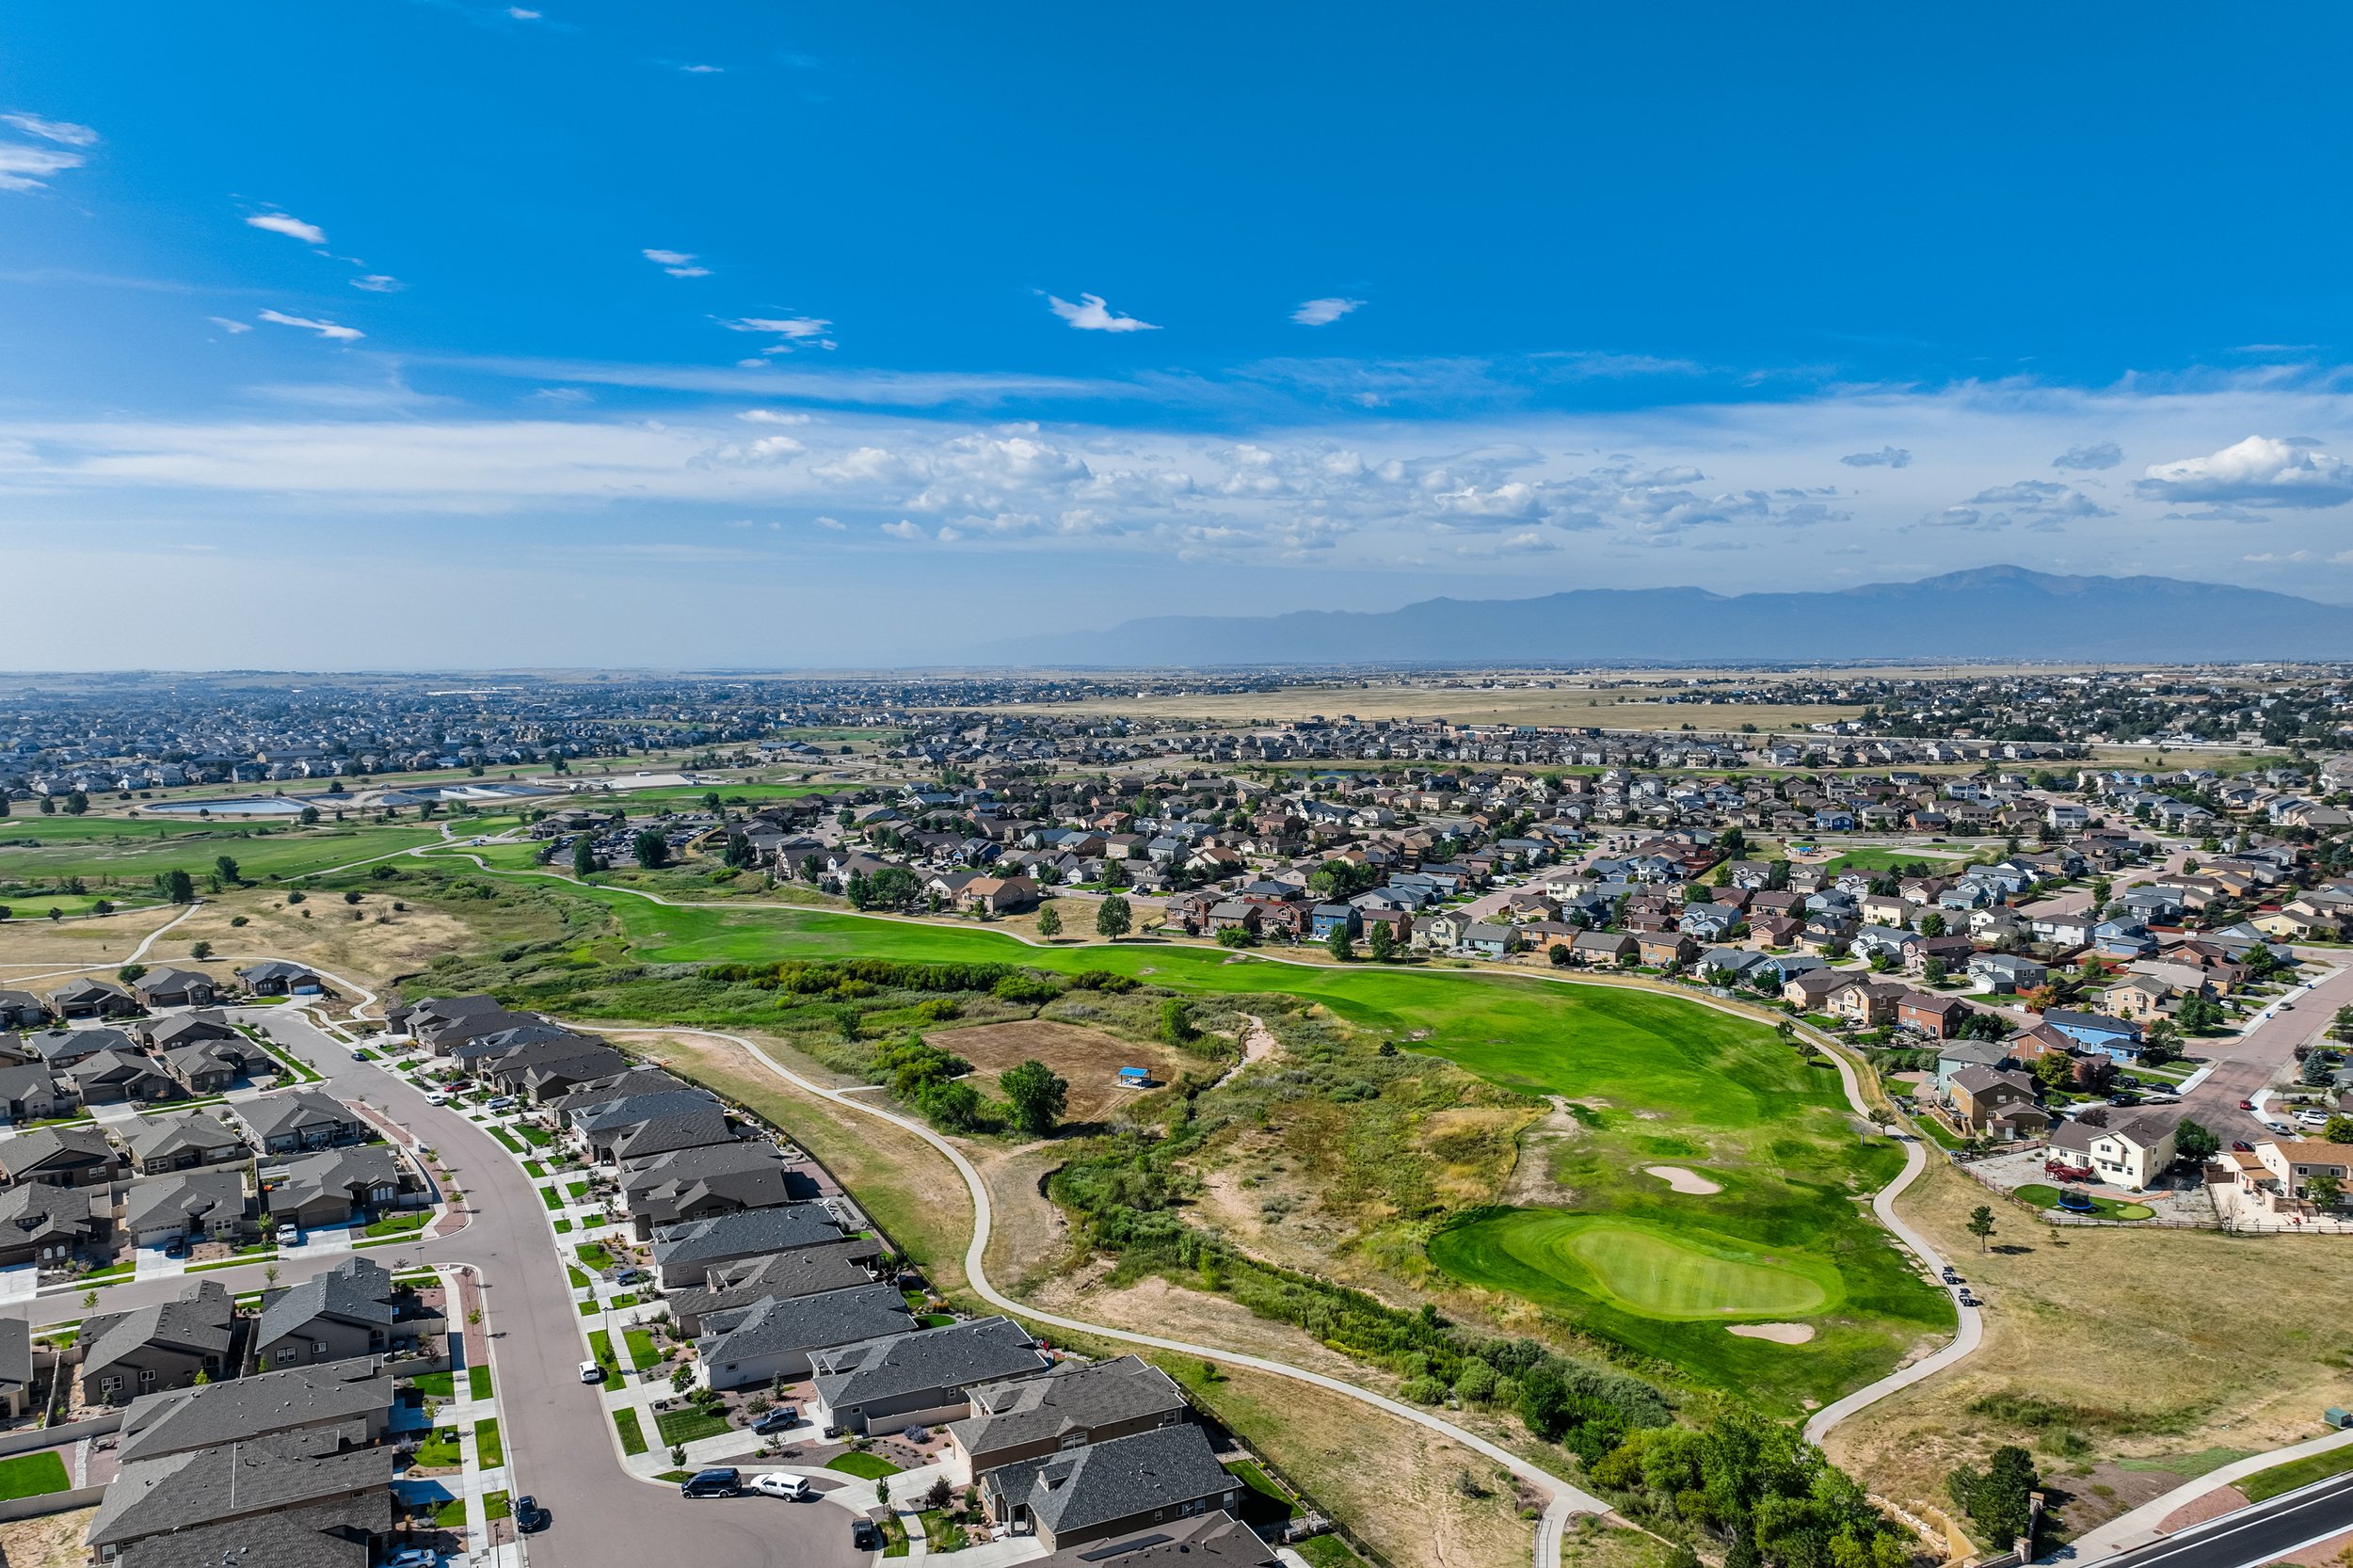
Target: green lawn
641, 1353
576, 1190
2042, 1196
1647, 1268
2265, 1485
632, 1436
32, 1474
865, 1466
439, 1386
133, 852
1256, 1480
550, 1196
1662, 1081
580, 1281
506, 1138
439, 1450
496, 1506
601, 1345
400, 1224
1327, 1551
592, 1255
478, 1382
686, 1424
486, 1447
451, 1515
537, 1137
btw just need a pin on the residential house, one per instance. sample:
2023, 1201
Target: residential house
683, 1255
1659, 949
160, 1144
776, 1276
50, 1226
122, 1076
22, 1010
304, 1497
1868, 1004
1602, 947
352, 1309
2007, 972
201, 1027
1925, 1013
999, 895
353, 1396
1074, 1404
29, 1092
2139, 999
1100, 1490
297, 1119
681, 1185
1991, 1103
85, 997
2293, 1161
923, 1376
335, 1187
59, 1156
753, 1346
2132, 1154
2118, 1037
161, 1346
167, 985
202, 1204
21, 1369
1957, 1055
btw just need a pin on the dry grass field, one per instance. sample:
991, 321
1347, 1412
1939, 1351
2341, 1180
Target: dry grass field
1089, 1058
2105, 1345
381, 943
37, 947
52, 1541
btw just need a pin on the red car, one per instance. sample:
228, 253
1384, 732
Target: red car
2246, 1105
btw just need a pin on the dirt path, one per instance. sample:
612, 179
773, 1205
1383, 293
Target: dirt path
1530, 1185
1258, 1044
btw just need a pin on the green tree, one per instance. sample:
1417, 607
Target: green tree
1338, 944
652, 851
2325, 1190
1113, 918
308, 816
1932, 924
954, 1107
225, 867
2342, 1028
1036, 1094
1997, 1498
583, 858
200, 951
176, 886
1382, 939
130, 972
1981, 1225
1176, 1021
2194, 1143
76, 802
1048, 922
1932, 972
2339, 1130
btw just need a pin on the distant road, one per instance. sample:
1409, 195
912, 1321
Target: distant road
2264, 1533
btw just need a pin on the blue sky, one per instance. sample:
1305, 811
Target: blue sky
754, 333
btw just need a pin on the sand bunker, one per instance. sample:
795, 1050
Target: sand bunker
1780, 1334
1683, 1181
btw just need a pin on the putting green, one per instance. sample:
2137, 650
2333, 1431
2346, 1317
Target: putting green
1649, 1270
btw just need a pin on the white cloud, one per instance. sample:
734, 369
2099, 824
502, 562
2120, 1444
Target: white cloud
2089, 459
521, 15
377, 282
23, 168
1091, 314
225, 324
1324, 312
770, 416
677, 263
324, 328
290, 226
1886, 456
833, 524
64, 132
2260, 471
2043, 503
902, 529
790, 333
703, 69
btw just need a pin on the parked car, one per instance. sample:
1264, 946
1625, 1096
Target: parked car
530, 1518
723, 1481
779, 1419
2246, 1105
627, 1276
2242, 1146
176, 1247
2278, 1126
2312, 1118
499, 1102
866, 1536
414, 1557
776, 1484
434, 1096
591, 1372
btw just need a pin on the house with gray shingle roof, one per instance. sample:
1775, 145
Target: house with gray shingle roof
296, 1119
165, 1345
1073, 1404
353, 1310
1104, 1489
307, 1475
85, 997
59, 1156
714, 1178
779, 1276
683, 1253
1215, 1540
47, 1225
335, 1186
213, 1205
921, 1377
337, 1395
160, 1145
747, 1346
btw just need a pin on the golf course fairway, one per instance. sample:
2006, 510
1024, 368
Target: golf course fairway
1637, 1266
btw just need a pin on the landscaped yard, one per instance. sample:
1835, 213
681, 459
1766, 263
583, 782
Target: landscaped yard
632, 1436
2044, 1197
488, 1448
439, 1386
32, 1474
687, 1423
478, 1382
496, 1506
593, 1256
641, 1353
601, 1345
864, 1465
440, 1450
401, 1223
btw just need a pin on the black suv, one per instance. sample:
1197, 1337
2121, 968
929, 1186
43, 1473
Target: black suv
723, 1482
866, 1536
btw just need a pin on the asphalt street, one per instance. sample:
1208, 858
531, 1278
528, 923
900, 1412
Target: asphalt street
559, 1444
2264, 1533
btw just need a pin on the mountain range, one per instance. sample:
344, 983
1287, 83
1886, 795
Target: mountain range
1986, 613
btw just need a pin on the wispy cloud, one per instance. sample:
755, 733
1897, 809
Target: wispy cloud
379, 282
2089, 459
677, 263
1324, 312
1091, 314
790, 333
330, 329
227, 325
703, 70
1886, 456
64, 132
288, 224
521, 15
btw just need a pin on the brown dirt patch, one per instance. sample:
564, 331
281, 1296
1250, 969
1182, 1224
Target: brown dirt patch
1089, 1058
362, 949
51, 1542
33, 946
2210, 1505
1530, 1185
1030, 1237
2069, 1325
